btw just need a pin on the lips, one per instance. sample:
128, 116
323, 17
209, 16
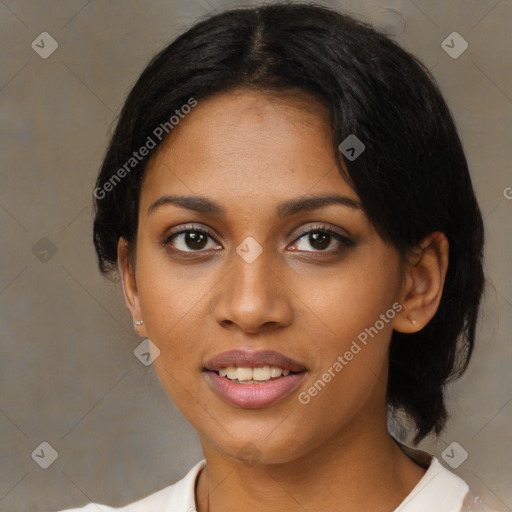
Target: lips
241, 358
254, 395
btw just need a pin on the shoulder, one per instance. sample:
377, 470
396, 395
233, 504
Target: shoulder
439, 488
178, 497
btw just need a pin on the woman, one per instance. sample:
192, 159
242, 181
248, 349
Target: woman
291, 213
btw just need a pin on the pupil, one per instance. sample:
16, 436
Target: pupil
195, 240
321, 239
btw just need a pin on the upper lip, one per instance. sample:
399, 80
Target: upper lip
246, 359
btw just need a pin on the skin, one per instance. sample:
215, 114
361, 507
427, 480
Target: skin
249, 151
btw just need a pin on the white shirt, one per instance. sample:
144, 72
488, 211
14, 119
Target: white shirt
439, 490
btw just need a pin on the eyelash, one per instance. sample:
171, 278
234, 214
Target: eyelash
346, 242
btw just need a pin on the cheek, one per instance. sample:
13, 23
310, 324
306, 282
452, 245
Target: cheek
173, 317
348, 376
172, 307
341, 306
348, 323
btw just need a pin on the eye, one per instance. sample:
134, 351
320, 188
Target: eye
190, 239
320, 239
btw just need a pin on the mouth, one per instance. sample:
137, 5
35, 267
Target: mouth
253, 380
248, 375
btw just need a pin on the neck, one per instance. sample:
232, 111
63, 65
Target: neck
366, 471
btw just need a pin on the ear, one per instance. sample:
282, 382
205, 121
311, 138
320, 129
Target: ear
423, 283
127, 272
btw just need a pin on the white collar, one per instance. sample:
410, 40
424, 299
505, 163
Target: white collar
438, 489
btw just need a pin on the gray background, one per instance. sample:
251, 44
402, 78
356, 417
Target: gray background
68, 373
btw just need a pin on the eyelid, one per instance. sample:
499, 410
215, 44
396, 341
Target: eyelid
189, 227
304, 230
320, 226
315, 227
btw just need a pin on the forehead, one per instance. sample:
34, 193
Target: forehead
247, 145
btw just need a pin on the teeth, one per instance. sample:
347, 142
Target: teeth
261, 373
232, 373
253, 374
244, 373
275, 372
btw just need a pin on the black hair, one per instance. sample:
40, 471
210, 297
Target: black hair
412, 177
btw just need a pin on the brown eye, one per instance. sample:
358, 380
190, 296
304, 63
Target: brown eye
320, 239
190, 240
195, 240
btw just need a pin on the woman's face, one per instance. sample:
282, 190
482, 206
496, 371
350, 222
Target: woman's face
265, 277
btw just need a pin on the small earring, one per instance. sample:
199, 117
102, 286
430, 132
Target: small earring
136, 323
413, 322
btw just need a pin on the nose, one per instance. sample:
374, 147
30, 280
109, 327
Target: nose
253, 297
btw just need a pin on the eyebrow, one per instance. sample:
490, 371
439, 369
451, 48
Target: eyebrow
285, 209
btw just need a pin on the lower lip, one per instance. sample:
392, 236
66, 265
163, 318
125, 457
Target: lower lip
254, 396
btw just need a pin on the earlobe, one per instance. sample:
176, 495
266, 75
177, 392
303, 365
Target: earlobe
129, 284
423, 284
